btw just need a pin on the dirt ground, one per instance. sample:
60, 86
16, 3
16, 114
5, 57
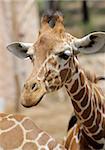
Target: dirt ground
54, 111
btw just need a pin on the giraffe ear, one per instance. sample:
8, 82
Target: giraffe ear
20, 49
92, 43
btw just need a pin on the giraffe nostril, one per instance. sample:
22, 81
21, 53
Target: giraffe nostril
34, 86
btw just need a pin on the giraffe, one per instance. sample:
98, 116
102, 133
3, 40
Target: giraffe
56, 66
92, 77
18, 132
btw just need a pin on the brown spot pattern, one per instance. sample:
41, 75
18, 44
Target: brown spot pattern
98, 119
76, 107
52, 87
100, 104
63, 74
5, 124
82, 80
17, 117
89, 122
7, 139
43, 139
87, 111
32, 134
28, 124
52, 62
85, 100
69, 75
80, 94
30, 146
103, 124
3, 115
103, 108
74, 86
86, 131
56, 80
92, 142
52, 144
69, 81
99, 135
93, 129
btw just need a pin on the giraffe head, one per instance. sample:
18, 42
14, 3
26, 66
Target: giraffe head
50, 55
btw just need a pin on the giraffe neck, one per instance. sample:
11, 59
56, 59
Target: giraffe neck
88, 105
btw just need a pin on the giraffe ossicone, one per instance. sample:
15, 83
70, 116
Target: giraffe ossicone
56, 65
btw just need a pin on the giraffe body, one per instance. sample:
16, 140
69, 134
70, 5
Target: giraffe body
19, 132
55, 64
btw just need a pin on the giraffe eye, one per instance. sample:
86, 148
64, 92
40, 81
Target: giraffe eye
64, 55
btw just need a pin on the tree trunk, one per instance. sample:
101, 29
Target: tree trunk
85, 11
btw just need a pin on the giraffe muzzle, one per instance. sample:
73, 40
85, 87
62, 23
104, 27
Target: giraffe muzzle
32, 94
32, 104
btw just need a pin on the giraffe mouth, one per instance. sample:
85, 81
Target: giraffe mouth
34, 104
39, 100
